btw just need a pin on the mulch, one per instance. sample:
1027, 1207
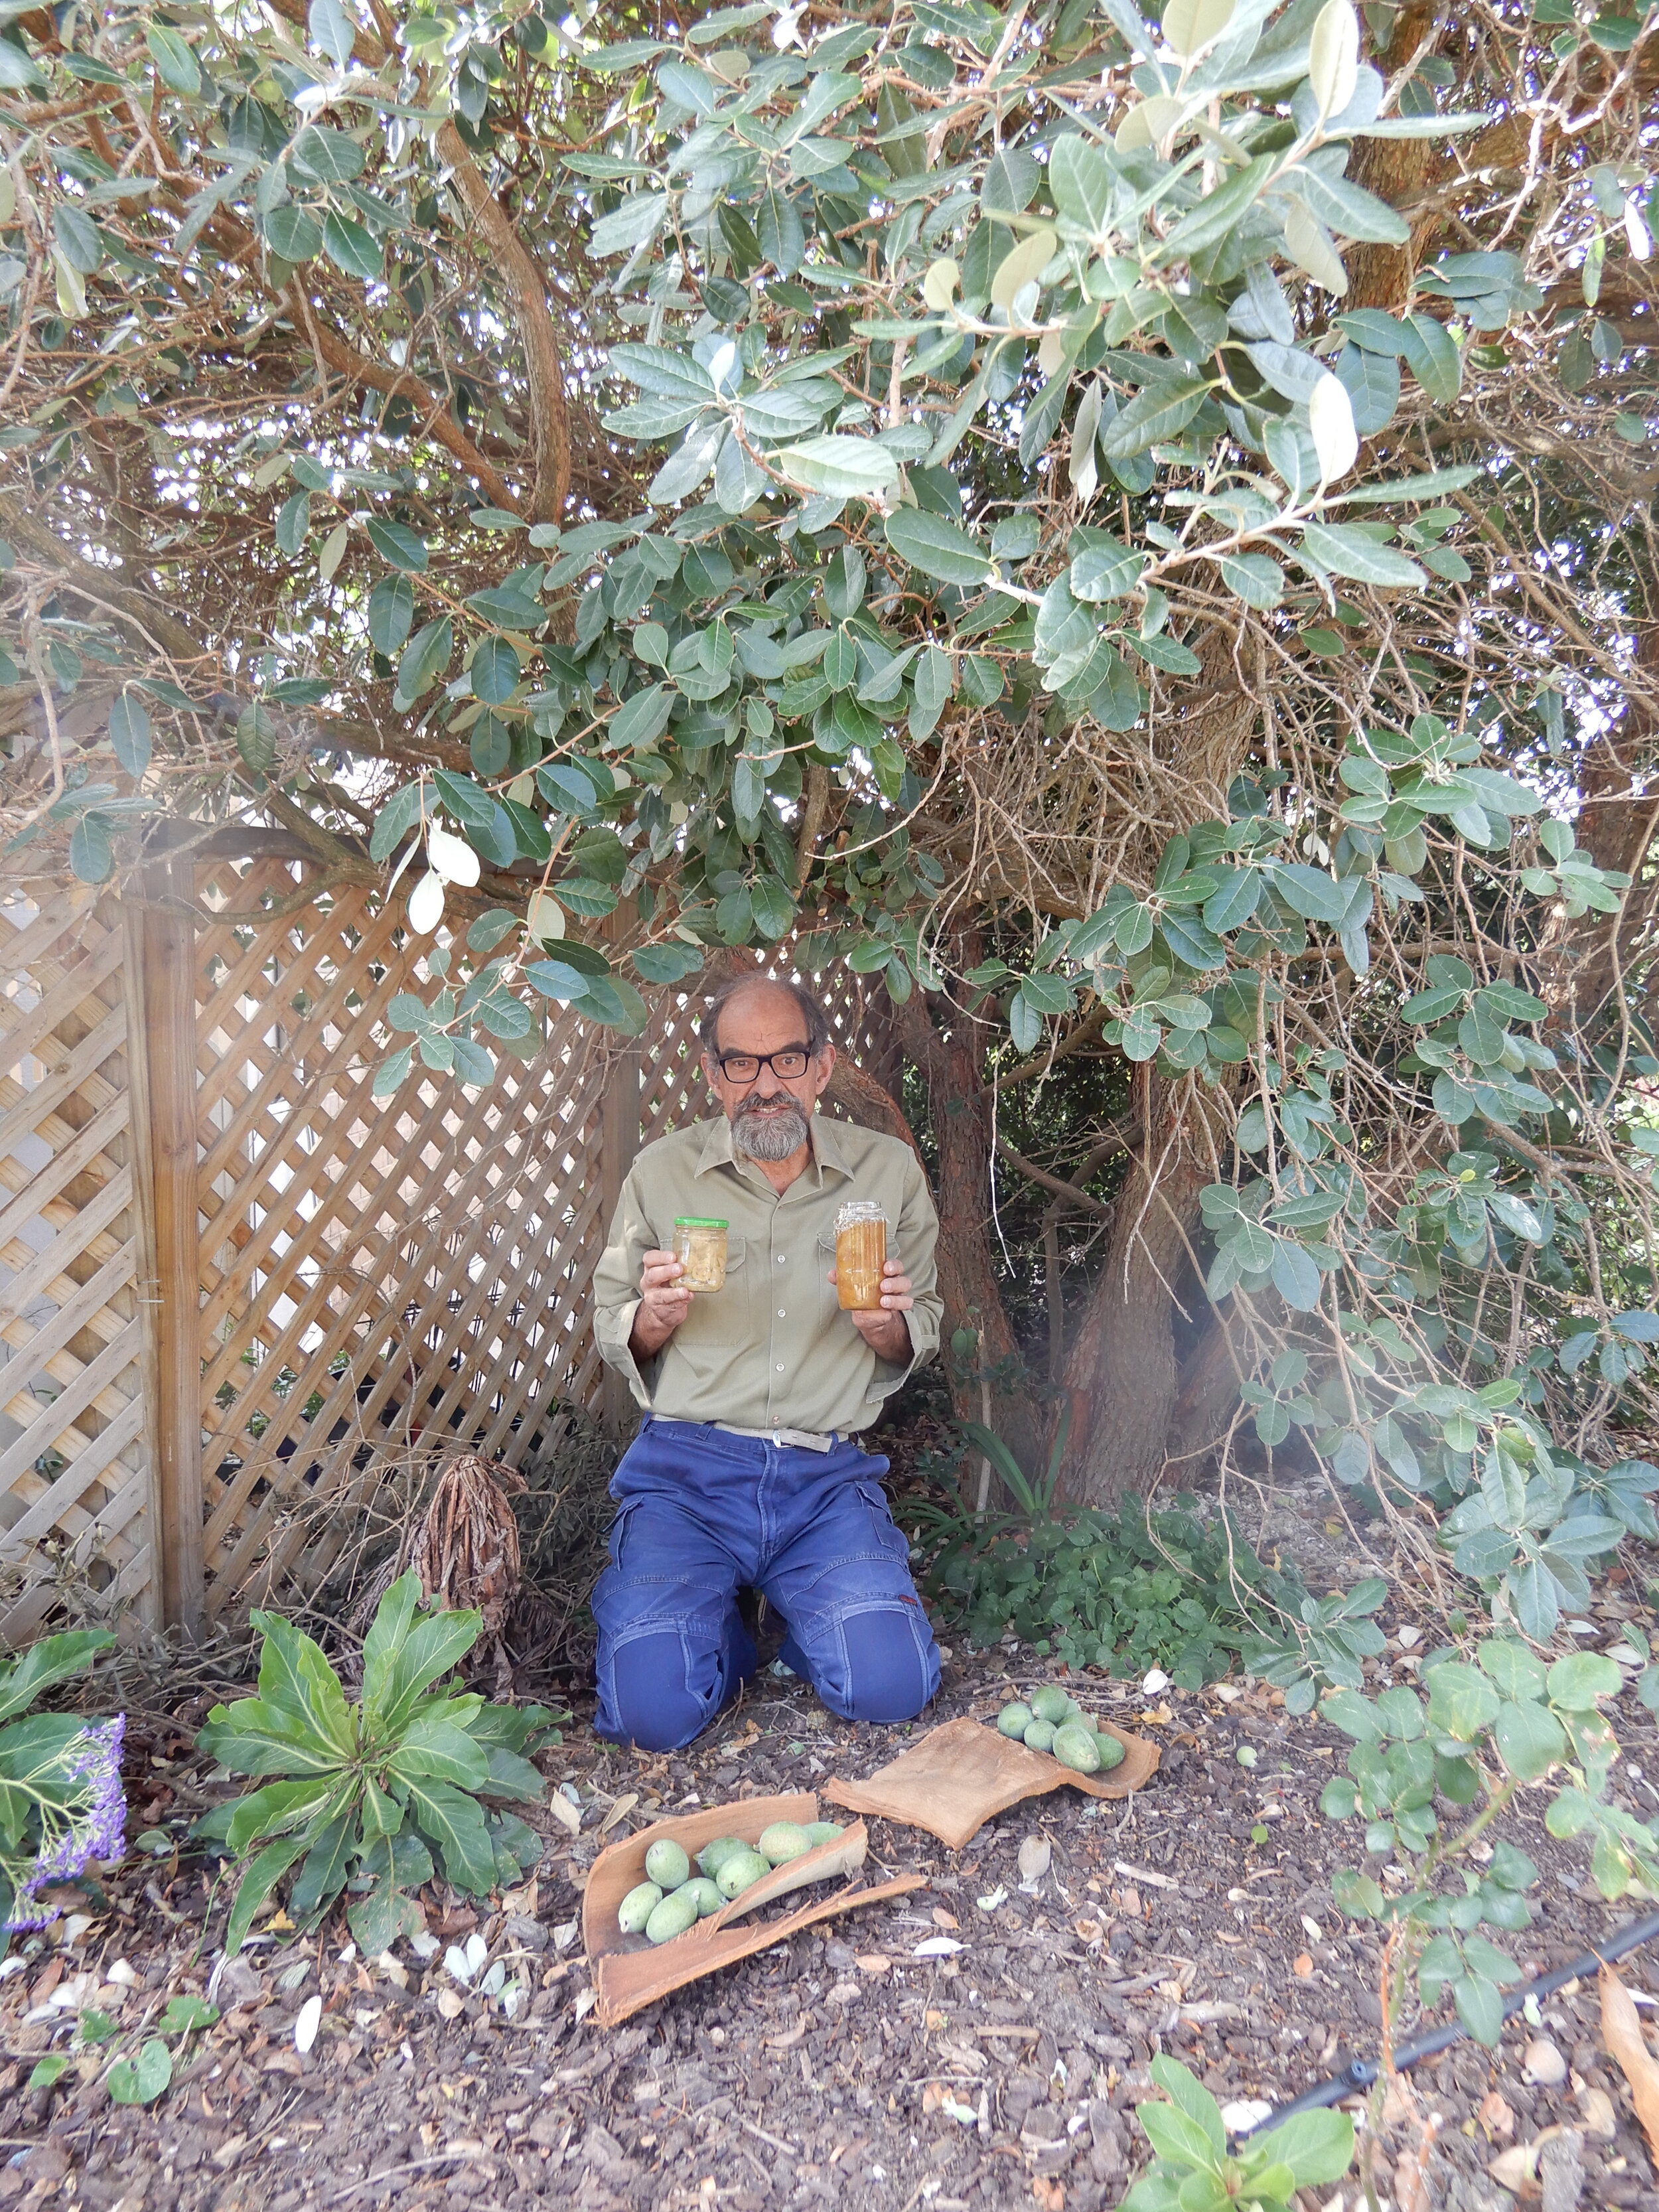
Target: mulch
838, 2066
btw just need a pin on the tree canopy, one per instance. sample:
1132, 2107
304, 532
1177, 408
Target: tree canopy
1136, 536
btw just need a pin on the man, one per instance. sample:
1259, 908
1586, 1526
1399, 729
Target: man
746, 1472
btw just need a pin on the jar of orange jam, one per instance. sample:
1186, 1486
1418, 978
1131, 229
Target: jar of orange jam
860, 1256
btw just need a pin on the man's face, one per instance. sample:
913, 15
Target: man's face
770, 1114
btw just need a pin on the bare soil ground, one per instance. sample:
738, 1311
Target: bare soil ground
839, 2067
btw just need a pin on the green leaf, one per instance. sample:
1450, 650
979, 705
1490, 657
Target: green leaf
1080, 182
1479, 2007
351, 248
935, 546
141, 2079
1187, 2094
331, 29
641, 718
454, 1822
1348, 552
840, 467
1529, 1740
398, 545
391, 612
187, 2015
1577, 1681
175, 65
54, 1659
1152, 417
1316, 2147
1462, 1703
495, 671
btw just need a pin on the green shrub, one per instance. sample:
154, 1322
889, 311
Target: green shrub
1124, 1591
365, 1794
1191, 2170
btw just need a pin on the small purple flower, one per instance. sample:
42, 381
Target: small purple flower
72, 1834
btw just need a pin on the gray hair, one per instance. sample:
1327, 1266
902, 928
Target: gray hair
814, 1020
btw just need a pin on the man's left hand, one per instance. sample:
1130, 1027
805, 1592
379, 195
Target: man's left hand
887, 1333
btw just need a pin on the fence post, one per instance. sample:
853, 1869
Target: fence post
619, 1140
161, 987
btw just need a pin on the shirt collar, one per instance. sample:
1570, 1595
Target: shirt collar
826, 1148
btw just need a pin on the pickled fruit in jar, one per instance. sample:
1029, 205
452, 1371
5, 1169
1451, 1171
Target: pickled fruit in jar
700, 1248
860, 1256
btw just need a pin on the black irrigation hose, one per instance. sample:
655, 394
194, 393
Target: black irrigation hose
1361, 2073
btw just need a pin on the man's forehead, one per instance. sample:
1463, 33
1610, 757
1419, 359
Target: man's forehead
767, 1013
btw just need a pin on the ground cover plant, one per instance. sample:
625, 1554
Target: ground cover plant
61, 1800
364, 1793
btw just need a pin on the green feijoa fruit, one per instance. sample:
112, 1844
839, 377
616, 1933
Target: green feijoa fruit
783, 1841
712, 1856
1110, 1750
703, 1894
1078, 1748
740, 1870
1074, 1712
1049, 1704
667, 1865
637, 1907
671, 1916
1014, 1720
823, 1831
1040, 1736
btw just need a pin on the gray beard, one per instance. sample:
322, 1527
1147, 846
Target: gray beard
768, 1137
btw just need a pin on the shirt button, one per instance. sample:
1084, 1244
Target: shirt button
781, 1313
780, 1367
782, 1256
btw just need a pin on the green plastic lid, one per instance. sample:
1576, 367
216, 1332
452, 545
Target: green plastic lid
698, 1221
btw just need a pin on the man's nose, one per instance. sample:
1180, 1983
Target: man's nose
766, 1081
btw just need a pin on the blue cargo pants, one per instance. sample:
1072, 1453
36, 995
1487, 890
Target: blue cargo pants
702, 1514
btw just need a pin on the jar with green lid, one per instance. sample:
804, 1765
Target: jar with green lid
700, 1248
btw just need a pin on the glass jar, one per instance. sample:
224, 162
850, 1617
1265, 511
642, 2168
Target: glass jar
700, 1248
860, 1256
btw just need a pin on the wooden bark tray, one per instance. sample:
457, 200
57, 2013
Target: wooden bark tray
959, 1775
629, 1973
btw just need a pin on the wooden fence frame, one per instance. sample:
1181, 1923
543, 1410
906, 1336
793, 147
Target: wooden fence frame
250, 1283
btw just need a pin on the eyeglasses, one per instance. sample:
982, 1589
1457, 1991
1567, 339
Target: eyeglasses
744, 1067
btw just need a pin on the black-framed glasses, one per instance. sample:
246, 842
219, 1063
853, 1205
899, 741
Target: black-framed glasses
743, 1066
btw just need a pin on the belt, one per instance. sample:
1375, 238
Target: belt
800, 1439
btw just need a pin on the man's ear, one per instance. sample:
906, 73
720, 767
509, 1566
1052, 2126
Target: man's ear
826, 1061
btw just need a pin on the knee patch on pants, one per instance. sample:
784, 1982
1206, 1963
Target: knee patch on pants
872, 1661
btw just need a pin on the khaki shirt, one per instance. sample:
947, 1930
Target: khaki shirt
773, 1349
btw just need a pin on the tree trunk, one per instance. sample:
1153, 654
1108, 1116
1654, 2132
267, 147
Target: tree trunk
1122, 1374
950, 1061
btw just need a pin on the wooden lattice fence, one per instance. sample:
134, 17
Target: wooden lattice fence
233, 1283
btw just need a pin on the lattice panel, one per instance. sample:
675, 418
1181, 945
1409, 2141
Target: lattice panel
374, 1272
73, 1487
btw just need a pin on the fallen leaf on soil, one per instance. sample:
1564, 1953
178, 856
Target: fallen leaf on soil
306, 2022
1158, 1716
620, 1811
1622, 2032
943, 1919
1138, 1874
1302, 1965
1601, 2121
934, 2022
873, 1963
1050, 2195
1035, 1854
787, 2042
996, 1897
1497, 2117
1089, 1930
1516, 2170
1542, 2064
451, 2003
937, 1946
568, 1816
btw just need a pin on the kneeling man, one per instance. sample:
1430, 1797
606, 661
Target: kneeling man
747, 1472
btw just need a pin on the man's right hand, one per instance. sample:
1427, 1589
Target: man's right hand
662, 1305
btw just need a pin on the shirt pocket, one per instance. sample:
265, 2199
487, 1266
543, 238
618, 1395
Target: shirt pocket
720, 1318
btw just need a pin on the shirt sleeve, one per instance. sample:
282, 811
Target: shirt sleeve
917, 1242
616, 1289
